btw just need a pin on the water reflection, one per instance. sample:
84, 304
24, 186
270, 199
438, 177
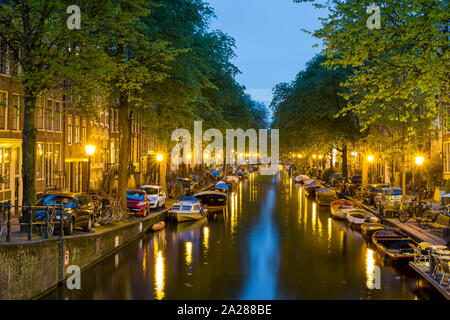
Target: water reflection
272, 242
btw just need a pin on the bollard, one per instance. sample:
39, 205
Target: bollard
46, 223
30, 222
8, 231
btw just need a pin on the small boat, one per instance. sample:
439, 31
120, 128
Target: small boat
188, 209
231, 179
368, 228
325, 196
214, 201
158, 226
360, 216
339, 208
311, 186
301, 178
394, 243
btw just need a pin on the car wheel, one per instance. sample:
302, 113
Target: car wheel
88, 227
164, 204
69, 229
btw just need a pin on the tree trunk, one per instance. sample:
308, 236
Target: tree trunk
124, 151
403, 170
344, 161
28, 152
331, 164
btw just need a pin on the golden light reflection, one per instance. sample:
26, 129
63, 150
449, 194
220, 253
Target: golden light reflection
159, 276
188, 254
290, 188
370, 268
300, 204
313, 215
206, 239
329, 234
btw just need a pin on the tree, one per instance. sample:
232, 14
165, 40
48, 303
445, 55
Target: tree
52, 60
307, 111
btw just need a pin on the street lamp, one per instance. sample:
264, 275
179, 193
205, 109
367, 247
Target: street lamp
370, 159
159, 157
419, 161
90, 150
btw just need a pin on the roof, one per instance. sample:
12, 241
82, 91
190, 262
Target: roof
151, 186
63, 193
188, 199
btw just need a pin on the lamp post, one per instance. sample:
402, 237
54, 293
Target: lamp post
419, 161
370, 159
162, 171
90, 150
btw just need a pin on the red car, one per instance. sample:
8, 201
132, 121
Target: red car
138, 202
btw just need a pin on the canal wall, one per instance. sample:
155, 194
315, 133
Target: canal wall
28, 269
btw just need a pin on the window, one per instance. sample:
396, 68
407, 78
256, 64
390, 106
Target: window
3, 110
40, 113
40, 161
77, 129
116, 121
57, 158
16, 104
58, 116
6, 168
69, 130
48, 158
49, 115
3, 57
447, 156
84, 130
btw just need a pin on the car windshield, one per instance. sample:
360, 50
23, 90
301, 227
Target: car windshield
57, 200
151, 191
395, 192
134, 195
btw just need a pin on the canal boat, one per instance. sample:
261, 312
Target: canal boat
368, 229
325, 196
300, 179
394, 244
311, 186
188, 209
359, 216
215, 201
339, 208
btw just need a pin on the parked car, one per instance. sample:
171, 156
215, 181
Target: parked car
389, 198
353, 184
77, 210
336, 179
156, 196
138, 202
370, 191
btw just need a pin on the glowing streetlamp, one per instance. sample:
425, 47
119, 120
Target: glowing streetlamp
159, 157
90, 150
419, 161
370, 159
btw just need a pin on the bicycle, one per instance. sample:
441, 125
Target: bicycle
47, 227
418, 210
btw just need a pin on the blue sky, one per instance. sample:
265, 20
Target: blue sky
271, 48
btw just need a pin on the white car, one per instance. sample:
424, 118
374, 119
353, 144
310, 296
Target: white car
156, 196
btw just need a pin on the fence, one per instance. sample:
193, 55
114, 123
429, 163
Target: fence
40, 223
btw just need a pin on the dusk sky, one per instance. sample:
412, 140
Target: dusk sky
270, 46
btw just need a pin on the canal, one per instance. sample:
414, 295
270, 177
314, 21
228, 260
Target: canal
272, 243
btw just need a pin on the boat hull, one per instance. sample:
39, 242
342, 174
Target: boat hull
395, 245
186, 216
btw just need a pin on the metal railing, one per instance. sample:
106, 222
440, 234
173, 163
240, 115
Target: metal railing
41, 222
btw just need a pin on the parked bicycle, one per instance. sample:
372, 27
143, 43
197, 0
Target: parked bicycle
47, 226
420, 211
108, 211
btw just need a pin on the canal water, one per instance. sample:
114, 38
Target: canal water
272, 243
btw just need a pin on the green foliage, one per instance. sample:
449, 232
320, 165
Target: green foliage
326, 174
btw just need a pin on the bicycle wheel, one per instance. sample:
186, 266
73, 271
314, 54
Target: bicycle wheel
1, 224
403, 216
106, 215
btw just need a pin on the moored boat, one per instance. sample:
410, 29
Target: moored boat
369, 228
339, 208
325, 196
215, 201
158, 226
188, 209
359, 216
301, 178
394, 243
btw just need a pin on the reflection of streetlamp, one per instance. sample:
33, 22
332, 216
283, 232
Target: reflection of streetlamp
90, 150
370, 159
419, 162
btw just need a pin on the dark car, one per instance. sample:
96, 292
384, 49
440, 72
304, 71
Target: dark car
336, 179
77, 210
353, 184
371, 191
